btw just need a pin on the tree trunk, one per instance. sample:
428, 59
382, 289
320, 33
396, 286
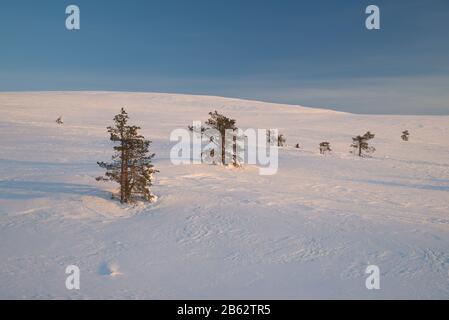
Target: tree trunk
234, 149
126, 184
223, 148
122, 171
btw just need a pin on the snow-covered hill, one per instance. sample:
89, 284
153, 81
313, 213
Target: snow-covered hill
309, 231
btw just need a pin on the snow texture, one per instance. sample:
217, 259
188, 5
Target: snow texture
310, 231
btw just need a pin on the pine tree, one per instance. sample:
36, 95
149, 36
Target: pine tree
141, 169
405, 135
222, 123
281, 140
361, 146
131, 164
271, 136
297, 146
238, 147
325, 147
59, 121
202, 133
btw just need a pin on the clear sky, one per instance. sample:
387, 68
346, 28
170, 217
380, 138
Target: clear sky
316, 53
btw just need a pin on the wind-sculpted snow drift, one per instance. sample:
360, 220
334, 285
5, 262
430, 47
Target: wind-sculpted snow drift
309, 231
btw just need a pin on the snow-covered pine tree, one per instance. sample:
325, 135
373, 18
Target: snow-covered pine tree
325, 147
131, 164
361, 146
405, 135
59, 121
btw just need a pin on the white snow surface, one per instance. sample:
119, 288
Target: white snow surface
307, 232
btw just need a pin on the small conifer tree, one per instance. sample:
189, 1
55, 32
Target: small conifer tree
131, 165
281, 140
360, 144
325, 147
405, 135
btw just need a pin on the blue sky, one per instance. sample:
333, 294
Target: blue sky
315, 53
